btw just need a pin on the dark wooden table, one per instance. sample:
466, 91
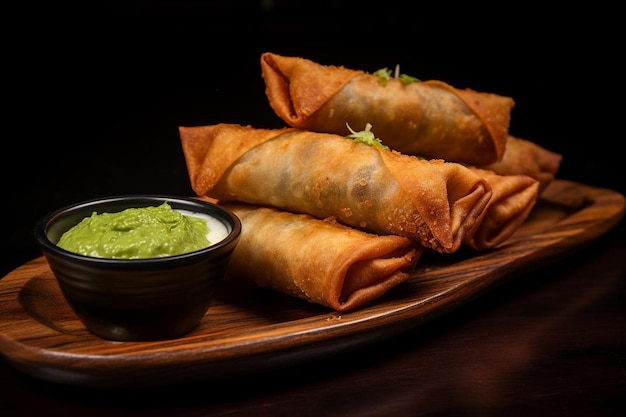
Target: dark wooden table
552, 342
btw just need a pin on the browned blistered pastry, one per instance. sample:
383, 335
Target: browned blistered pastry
513, 198
430, 119
320, 261
325, 175
523, 157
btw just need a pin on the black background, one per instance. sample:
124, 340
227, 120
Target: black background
94, 93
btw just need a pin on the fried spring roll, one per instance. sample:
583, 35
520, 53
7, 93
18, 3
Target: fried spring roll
320, 261
324, 175
513, 198
430, 119
523, 157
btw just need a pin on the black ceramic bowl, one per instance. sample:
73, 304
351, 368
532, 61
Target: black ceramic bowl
138, 299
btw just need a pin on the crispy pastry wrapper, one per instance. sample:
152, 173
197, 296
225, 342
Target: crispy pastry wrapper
513, 198
523, 157
320, 261
430, 119
433, 202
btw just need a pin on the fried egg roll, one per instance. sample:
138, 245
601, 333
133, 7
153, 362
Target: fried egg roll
513, 198
523, 157
433, 202
430, 119
320, 261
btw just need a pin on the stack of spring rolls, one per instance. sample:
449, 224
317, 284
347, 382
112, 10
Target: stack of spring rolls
339, 222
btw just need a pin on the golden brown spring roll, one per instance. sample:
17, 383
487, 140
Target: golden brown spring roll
524, 157
320, 261
430, 118
513, 198
325, 175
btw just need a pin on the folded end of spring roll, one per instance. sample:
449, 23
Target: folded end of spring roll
319, 261
523, 157
201, 153
451, 197
513, 198
292, 94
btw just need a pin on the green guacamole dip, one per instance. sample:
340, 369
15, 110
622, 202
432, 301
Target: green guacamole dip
147, 232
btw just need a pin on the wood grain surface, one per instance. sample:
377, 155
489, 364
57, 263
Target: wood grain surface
249, 329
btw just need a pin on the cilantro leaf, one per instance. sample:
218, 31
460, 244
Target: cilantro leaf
384, 74
407, 79
366, 136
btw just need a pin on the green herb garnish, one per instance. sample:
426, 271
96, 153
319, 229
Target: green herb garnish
407, 79
366, 136
385, 75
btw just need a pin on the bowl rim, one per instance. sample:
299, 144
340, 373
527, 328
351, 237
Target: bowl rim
194, 204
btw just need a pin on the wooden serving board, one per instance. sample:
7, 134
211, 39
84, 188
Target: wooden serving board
249, 329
